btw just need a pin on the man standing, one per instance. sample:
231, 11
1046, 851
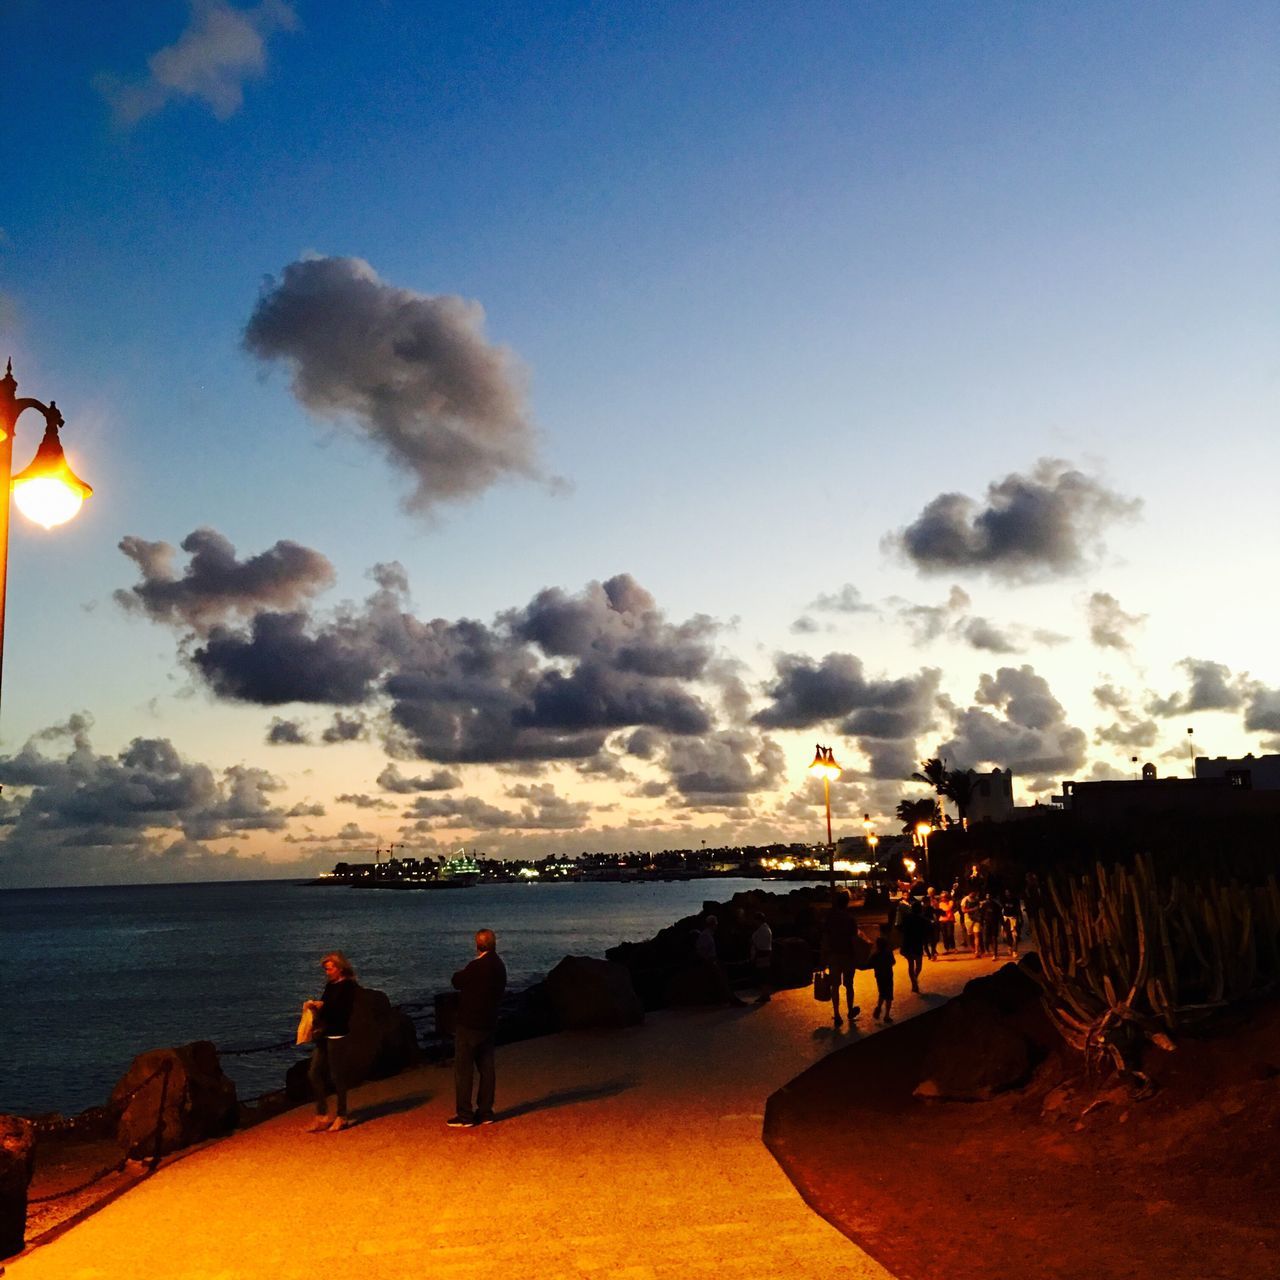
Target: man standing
843, 950
480, 988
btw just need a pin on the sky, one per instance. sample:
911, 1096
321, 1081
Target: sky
533, 427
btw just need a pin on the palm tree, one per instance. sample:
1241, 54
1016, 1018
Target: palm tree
933, 773
913, 812
960, 788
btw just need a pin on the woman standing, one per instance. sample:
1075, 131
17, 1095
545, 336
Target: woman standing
330, 1062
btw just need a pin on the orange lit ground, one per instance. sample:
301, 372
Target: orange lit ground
632, 1155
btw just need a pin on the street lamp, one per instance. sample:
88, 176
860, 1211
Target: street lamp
924, 830
824, 766
46, 491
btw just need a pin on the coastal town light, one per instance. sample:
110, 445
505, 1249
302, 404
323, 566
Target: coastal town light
824, 766
47, 491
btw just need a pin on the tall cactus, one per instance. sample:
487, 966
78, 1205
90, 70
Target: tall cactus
1125, 959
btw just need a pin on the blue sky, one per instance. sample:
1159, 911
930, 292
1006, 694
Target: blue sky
768, 284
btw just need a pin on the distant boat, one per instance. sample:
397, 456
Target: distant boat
458, 872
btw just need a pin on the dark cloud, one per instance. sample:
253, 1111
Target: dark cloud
222, 47
847, 600
304, 810
725, 768
1109, 625
929, 621
361, 801
979, 633
77, 816
344, 728
543, 810
1017, 724
1262, 711
804, 626
644, 744
414, 372
1210, 687
1035, 526
1129, 730
215, 586
286, 733
391, 779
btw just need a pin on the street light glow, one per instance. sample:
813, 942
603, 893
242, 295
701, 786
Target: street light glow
48, 491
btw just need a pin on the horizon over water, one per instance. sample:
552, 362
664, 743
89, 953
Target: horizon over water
105, 972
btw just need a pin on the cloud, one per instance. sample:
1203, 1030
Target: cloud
282, 733
361, 801
76, 816
979, 633
344, 729
929, 621
543, 810
1128, 730
391, 779
215, 586
1210, 687
1262, 711
221, 48
413, 371
723, 769
1032, 527
1025, 729
1109, 625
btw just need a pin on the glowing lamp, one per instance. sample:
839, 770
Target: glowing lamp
924, 830
824, 764
909, 866
48, 491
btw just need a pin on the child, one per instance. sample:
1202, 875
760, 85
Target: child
882, 967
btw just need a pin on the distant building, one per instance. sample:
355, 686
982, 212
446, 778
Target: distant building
1252, 773
992, 799
1226, 793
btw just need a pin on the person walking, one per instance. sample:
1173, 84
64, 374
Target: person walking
330, 1067
480, 986
915, 933
762, 957
708, 955
882, 967
842, 947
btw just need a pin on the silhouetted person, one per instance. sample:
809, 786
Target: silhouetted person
330, 1060
762, 957
704, 947
915, 933
480, 989
882, 967
842, 947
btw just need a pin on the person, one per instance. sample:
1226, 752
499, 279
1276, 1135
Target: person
762, 957
992, 919
971, 920
882, 967
330, 1058
480, 986
915, 931
947, 921
1012, 910
704, 948
931, 913
842, 947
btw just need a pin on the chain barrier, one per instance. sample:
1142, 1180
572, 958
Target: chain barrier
118, 1105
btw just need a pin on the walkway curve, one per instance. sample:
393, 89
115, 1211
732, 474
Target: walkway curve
626, 1155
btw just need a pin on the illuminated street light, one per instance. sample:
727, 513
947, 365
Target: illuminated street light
924, 830
47, 490
824, 766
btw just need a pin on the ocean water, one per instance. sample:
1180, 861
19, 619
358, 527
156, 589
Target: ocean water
98, 975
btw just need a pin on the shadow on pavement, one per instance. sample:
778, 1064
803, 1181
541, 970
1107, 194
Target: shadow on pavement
567, 1097
391, 1107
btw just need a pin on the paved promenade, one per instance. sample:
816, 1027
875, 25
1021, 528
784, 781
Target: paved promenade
627, 1155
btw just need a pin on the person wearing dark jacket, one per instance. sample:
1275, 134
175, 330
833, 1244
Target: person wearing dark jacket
330, 1066
480, 989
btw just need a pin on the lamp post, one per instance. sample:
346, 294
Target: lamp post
924, 830
46, 490
824, 766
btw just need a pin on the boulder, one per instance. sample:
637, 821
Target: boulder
383, 1042
694, 984
17, 1162
585, 992
196, 1102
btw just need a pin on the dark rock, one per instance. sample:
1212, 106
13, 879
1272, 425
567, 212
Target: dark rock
196, 1101
695, 984
794, 960
987, 1039
526, 1014
446, 1012
17, 1163
297, 1084
585, 992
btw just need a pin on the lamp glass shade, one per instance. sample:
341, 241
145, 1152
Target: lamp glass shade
824, 766
48, 491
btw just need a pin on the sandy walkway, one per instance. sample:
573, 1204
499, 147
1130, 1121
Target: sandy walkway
619, 1156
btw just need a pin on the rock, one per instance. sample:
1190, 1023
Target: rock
383, 1043
695, 984
199, 1101
794, 961
585, 992
17, 1162
974, 1055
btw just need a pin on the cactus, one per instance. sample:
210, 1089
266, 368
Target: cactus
1125, 959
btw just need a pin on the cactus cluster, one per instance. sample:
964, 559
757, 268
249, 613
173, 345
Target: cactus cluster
1129, 958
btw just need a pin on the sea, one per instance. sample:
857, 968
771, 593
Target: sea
99, 975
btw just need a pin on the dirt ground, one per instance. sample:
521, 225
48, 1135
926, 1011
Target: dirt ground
1067, 1178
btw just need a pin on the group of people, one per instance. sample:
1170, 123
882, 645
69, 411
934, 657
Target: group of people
480, 984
